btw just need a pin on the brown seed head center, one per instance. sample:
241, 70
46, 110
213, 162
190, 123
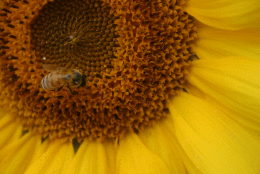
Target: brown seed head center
134, 55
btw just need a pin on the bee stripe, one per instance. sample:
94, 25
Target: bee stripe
49, 82
42, 83
45, 83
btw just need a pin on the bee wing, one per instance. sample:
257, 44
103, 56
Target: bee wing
54, 67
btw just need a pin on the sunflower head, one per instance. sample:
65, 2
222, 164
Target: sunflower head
134, 54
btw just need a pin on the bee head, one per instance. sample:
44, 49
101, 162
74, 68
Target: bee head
77, 78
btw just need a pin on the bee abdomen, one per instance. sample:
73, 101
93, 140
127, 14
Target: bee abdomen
48, 83
44, 83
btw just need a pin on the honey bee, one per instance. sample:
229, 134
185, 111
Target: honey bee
59, 77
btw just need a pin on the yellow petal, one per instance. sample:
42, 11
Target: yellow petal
216, 43
51, 157
10, 130
169, 130
162, 142
223, 14
234, 83
91, 158
77, 162
212, 140
16, 156
134, 157
111, 154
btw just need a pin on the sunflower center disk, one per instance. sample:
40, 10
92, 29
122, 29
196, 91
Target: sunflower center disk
134, 54
75, 34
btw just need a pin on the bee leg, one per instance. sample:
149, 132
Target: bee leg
59, 88
72, 93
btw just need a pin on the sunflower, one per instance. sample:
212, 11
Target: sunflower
168, 86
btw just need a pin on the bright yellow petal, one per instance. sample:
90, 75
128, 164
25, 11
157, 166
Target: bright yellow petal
111, 151
16, 156
95, 159
77, 162
91, 158
223, 14
10, 130
162, 142
168, 145
216, 43
212, 140
234, 83
169, 130
51, 158
134, 157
